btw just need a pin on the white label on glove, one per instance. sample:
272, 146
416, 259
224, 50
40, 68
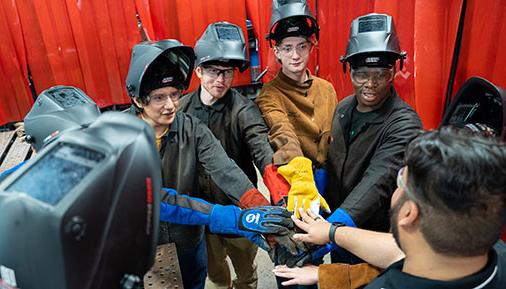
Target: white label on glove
315, 206
253, 218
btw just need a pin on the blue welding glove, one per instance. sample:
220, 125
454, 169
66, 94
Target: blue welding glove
275, 222
341, 216
266, 220
250, 223
321, 180
183, 209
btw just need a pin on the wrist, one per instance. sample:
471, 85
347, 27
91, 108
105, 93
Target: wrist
332, 231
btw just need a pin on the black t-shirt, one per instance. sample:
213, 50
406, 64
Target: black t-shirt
359, 122
491, 277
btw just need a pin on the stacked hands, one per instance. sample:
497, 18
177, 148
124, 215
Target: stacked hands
296, 188
276, 224
304, 187
284, 236
276, 228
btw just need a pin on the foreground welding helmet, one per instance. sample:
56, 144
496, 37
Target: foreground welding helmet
291, 18
222, 42
480, 106
83, 214
57, 109
373, 42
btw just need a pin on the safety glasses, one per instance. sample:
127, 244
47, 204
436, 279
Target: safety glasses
401, 184
159, 99
301, 48
377, 75
216, 72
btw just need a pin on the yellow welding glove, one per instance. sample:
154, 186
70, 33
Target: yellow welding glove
303, 192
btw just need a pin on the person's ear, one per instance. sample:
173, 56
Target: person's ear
277, 53
408, 214
137, 102
198, 72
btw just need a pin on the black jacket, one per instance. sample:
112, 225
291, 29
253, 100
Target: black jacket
493, 276
363, 172
187, 145
237, 123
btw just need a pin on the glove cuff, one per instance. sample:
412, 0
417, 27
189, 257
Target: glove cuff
252, 198
275, 183
224, 219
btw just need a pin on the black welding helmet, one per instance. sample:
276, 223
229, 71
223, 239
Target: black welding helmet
57, 109
222, 42
373, 42
83, 213
480, 106
291, 18
159, 64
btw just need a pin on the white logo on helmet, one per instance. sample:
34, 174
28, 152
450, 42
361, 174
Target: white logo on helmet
167, 79
293, 29
372, 59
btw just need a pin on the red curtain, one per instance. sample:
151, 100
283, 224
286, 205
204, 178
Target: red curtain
88, 44
483, 39
187, 21
15, 96
85, 44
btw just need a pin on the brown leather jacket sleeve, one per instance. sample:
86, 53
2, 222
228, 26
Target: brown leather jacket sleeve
345, 276
282, 136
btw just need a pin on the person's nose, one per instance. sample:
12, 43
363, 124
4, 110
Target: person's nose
221, 77
295, 54
370, 82
169, 104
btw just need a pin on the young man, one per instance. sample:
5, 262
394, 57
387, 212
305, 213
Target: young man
370, 129
447, 215
159, 72
237, 123
296, 105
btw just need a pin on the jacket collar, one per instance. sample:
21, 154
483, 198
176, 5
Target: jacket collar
289, 83
219, 105
176, 123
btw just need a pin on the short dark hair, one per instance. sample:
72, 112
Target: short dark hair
459, 182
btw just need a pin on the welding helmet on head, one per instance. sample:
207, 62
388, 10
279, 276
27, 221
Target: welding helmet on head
291, 18
157, 64
373, 42
222, 42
